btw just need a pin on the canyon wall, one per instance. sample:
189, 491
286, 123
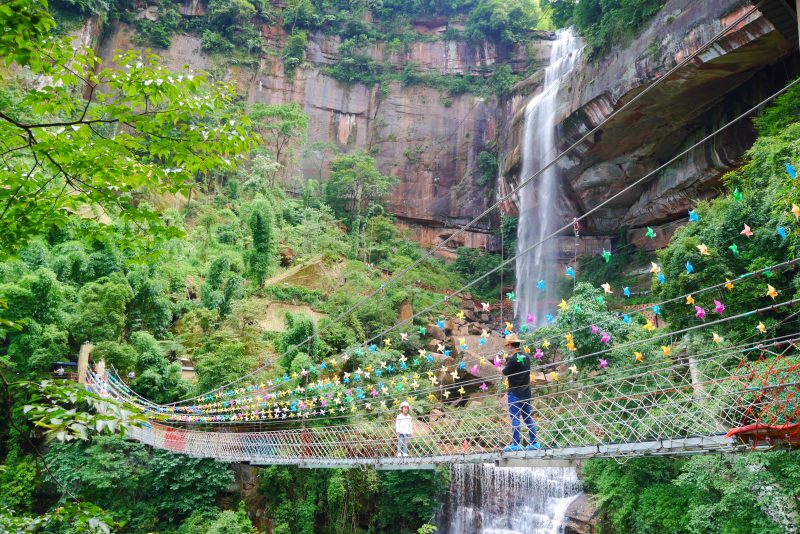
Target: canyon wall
427, 140
431, 142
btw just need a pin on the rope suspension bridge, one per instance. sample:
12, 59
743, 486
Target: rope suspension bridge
691, 404
675, 400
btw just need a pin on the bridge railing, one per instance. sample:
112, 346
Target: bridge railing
662, 400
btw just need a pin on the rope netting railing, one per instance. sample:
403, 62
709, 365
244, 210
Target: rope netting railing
671, 400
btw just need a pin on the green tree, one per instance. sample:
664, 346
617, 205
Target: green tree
279, 125
355, 189
298, 329
100, 312
260, 258
140, 487
604, 23
18, 481
150, 308
294, 52
35, 348
156, 378
355, 184
218, 365
230, 522
222, 287
502, 20
121, 356
147, 129
191, 483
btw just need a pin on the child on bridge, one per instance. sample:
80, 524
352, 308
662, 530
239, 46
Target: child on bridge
403, 428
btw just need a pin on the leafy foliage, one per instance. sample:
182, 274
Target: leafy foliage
135, 485
748, 493
356, 185
295, 51
64, 154
604, 23
343, 500
260, 257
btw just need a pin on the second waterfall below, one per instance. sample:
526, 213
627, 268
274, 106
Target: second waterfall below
507, 500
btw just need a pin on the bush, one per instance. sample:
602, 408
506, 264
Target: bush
212, 41
502, 20
604, 23
294, 294
487, 165
159, 33
472, 262
295, 52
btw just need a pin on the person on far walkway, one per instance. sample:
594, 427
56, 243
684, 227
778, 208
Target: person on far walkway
518, 371
403, 429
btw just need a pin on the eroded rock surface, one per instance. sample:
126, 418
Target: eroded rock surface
743, 67
432, 142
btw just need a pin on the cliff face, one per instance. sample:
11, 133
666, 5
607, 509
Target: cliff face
743, 67
431, 143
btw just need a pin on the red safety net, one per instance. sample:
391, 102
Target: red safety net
770, 400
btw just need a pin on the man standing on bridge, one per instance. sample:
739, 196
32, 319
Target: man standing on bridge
518, 371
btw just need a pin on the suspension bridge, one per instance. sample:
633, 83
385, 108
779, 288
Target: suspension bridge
725, 400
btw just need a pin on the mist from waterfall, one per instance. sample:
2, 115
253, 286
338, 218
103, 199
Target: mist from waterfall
507, 500
540, 210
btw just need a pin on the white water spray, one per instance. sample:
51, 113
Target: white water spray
507, 500
540, 209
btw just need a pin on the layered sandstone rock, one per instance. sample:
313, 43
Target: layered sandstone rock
427, 140
432, 142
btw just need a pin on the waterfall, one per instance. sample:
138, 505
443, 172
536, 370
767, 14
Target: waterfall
507, 500
540, 205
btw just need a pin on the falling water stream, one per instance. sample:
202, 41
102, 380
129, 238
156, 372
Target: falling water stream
507, 500
499, 500
540, 205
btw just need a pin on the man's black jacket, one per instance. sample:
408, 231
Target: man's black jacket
518, 371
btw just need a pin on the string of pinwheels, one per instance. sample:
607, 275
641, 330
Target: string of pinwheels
538, 390
639, 371
230, 395
588, 355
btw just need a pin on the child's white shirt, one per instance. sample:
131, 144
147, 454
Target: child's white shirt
403, 424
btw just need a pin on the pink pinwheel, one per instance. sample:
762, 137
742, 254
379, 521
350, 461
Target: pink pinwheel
484, 387
746, 232
474, 369
605, 337
485, 306
497, 362
700, 313
595, 330
603, 363
538, 354
323, 403
719, 307
531, 318
374, 393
